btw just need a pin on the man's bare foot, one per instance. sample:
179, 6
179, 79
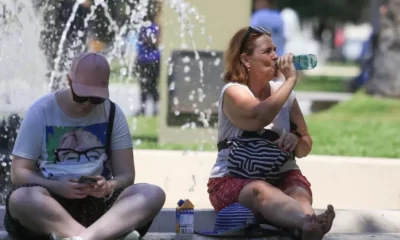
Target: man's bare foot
326, 219
312, 229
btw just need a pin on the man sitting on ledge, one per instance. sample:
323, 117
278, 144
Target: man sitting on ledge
68, 134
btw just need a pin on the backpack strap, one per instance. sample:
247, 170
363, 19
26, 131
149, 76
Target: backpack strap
110, 125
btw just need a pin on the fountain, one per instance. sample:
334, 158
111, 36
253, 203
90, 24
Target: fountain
39, 39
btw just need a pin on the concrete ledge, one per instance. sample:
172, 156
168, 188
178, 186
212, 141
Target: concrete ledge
172, 236
387, 236
345, 182
347, 221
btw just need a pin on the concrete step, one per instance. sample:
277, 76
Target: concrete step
346, 222
172, 236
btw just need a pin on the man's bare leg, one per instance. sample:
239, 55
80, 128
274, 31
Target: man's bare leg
36, 210
134, 208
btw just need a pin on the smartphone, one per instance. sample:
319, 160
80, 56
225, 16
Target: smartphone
87, 179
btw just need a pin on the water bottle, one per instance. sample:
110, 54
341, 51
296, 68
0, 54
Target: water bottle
305, 62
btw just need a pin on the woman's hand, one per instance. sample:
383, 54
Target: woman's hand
287, 141
100, 189
286, 66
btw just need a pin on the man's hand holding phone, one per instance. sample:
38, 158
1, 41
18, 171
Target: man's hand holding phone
87, 179
71, 189
84, 186
99, 186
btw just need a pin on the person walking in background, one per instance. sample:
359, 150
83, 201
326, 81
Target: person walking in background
265, 16
148, 59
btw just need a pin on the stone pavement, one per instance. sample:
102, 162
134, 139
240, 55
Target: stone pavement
335, 71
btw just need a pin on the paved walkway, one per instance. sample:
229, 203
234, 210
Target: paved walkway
334, 71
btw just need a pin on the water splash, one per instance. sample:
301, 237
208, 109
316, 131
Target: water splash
23, 64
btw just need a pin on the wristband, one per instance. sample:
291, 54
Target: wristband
296, 133
112, 191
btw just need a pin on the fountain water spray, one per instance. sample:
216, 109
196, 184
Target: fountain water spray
25, 75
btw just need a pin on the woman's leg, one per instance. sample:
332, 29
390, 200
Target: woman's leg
275, 206
225, 191
302, 197
296, 185
279, 209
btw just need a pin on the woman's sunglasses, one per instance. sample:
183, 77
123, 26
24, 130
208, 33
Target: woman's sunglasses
259, 30
92, 100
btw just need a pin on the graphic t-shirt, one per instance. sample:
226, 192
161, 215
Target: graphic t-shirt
66, 147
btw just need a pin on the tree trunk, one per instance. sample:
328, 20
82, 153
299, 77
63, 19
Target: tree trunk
385, 75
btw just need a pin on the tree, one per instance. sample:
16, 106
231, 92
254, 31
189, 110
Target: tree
385, 75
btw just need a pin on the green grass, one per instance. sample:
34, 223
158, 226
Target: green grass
322, 83
117, 77
363, 126
144, 132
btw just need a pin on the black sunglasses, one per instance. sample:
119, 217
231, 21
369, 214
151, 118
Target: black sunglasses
259, 30
92, 100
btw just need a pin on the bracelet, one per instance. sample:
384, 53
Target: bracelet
112, 191
296, 133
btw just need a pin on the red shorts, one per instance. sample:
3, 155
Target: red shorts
225, 191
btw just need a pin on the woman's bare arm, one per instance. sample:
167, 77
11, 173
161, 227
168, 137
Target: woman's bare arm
305, 144
251, 114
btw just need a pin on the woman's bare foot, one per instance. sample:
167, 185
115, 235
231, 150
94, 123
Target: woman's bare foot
312, 229
326, 219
